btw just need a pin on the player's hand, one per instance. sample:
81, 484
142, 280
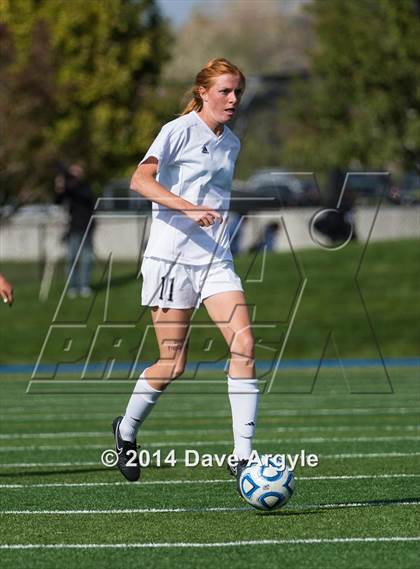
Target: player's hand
204, 216
6, 291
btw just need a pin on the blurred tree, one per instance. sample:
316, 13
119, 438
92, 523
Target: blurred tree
267, 37
262, 37
77, 82
361, 105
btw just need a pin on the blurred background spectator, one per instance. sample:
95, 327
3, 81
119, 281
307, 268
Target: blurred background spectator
74, 191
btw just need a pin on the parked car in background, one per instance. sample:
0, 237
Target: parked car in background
284, 187
408, 192
368, 186
117, 196
273, 188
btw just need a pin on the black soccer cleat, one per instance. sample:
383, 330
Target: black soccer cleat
125, 449
236, 470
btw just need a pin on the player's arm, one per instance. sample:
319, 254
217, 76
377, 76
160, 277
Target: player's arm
6, 291
144, 183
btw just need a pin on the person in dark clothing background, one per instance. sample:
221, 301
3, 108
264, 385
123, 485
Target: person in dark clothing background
73, 190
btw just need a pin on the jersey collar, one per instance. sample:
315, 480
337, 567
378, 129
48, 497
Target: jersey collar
206, 126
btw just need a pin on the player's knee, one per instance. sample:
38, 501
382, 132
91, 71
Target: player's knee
244, 347
174, 358
171, 371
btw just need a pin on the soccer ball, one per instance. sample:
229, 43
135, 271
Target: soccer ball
266, 485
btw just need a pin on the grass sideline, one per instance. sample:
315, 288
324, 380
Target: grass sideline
359, 508
332, 300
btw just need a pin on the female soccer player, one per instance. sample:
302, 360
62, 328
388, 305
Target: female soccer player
187, 174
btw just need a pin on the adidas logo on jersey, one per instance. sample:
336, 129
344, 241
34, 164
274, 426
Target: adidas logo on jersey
204, 150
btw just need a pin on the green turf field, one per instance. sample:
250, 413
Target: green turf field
358, 509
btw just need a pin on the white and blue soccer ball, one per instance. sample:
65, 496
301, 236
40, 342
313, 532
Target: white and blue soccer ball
267, 485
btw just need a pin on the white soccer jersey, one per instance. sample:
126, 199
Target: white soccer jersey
197, 165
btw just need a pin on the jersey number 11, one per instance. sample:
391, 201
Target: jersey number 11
171, 289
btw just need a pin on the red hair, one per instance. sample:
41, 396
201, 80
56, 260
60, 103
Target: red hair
204, 78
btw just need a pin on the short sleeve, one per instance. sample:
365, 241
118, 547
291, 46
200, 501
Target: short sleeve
166, 147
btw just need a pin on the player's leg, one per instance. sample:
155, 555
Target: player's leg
166, 288
229, 312
171, 328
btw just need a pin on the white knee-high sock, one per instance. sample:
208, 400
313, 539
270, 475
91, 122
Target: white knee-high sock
243, 397
139, 406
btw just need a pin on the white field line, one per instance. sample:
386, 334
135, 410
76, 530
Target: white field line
47, 464
307, 541
35, 408
186, 482
118, 511
146, 432
115, 511
355, 439
192, 444
357, 476
271, 413
311, 412
53, 447
307, 412
26, 416
321, 456
43, 410
369, 455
